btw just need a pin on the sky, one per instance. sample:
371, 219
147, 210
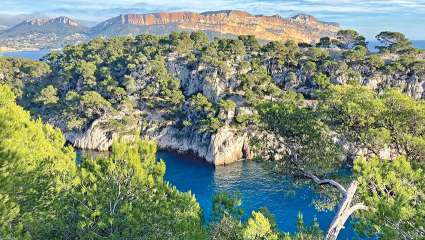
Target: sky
369, 17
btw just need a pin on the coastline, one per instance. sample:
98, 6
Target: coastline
8, 49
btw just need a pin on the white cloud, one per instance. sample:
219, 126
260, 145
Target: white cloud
317, 6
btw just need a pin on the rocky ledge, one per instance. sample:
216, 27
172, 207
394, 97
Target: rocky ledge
226, 146
221, 148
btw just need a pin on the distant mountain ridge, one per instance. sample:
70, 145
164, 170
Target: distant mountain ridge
301, 28
57, 32
60, 26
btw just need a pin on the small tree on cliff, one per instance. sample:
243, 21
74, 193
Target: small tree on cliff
393, 42
250, 42
48, 95
349, 39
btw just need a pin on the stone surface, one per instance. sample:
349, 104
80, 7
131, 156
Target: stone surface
223, 147
95, 138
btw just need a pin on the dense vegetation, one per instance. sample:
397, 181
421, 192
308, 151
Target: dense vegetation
20, 74
331, 105
46, 195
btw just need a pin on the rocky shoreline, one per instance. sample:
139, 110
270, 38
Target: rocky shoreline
221, 148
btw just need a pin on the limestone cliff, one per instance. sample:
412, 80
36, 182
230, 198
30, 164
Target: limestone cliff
221, 148
301, 28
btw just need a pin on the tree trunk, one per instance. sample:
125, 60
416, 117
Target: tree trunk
344, 212
345, 209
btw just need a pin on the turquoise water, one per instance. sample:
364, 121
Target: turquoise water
257, 187
33, 55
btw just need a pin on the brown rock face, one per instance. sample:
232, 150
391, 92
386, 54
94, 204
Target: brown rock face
301, 28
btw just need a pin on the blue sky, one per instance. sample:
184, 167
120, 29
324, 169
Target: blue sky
367, 16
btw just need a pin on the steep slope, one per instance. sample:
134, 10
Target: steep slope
301, 28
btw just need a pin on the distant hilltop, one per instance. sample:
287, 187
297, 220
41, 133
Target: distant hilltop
61, 26
57, 32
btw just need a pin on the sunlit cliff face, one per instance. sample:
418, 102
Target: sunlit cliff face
301, 28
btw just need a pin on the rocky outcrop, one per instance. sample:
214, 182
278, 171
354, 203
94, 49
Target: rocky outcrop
95, 138
410, 82
98, 137
226, 146
100, 134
